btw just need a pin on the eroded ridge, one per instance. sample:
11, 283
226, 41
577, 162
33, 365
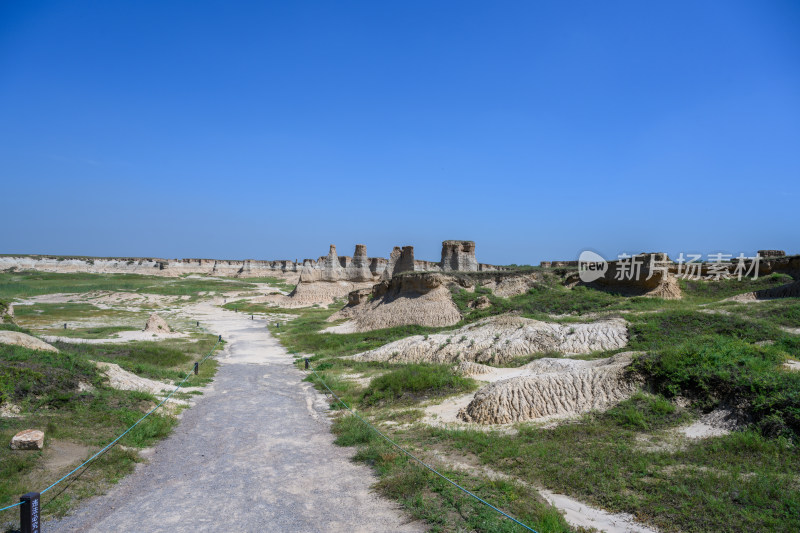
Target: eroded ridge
558, 387
500, 339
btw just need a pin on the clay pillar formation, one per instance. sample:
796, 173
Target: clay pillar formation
459, 256
359, 267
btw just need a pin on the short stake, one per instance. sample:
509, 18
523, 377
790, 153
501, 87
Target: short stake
29, 513
306, 363
196, 367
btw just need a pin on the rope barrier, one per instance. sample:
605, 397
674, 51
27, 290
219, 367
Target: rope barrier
409, 454
113, 442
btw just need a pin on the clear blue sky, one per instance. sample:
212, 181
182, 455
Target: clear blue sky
271, 129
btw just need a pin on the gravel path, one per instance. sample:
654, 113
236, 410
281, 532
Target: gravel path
254, 454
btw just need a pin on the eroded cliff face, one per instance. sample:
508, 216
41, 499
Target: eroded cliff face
151, 266
456, 256
459, 256
408, 298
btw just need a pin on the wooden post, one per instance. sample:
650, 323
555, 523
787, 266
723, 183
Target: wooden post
29, 513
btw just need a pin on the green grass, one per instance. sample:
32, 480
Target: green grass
718, 369
783, 312
444, 507
31, 283
414, 382
102, 332
708, 291
45, 386
278, 283
740, 482
302, 335
659, 330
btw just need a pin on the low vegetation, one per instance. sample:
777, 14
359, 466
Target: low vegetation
411, 383
33, 283
698, 354
65, 395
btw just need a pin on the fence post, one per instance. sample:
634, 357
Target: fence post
29, 513
196, 366
306, 363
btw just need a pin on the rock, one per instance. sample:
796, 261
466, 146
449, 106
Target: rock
359, 268
771, 253
28, 439
790, 290
26, 341
481, 302
359, 296
648, 275
459, 256
156, 324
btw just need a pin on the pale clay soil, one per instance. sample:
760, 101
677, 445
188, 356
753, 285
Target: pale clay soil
500, 339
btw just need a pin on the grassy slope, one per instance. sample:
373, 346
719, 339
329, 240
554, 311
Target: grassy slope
31, 283
626, 459
45, 387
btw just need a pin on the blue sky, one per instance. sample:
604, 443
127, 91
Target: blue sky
271, 129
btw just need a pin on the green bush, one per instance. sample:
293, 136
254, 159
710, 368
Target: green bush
719, 369
416, 381
645, 412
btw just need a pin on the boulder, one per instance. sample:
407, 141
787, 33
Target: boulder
28, 439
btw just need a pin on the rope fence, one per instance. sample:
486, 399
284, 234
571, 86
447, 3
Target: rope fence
414, 457
29, 503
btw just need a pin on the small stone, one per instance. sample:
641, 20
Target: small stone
28, 439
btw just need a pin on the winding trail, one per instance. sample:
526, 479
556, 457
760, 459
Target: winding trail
255, 453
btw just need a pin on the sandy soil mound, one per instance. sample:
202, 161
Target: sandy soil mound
435, 308
314, 293
718, 422
790, 290
507, 287
558, 387
156, 324
417, 298
500, 339
468, 368
26, 341
124, 380
668, 289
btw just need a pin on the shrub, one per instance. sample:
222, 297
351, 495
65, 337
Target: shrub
415, 381
718, 369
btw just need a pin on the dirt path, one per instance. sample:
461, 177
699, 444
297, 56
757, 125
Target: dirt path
254, 454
